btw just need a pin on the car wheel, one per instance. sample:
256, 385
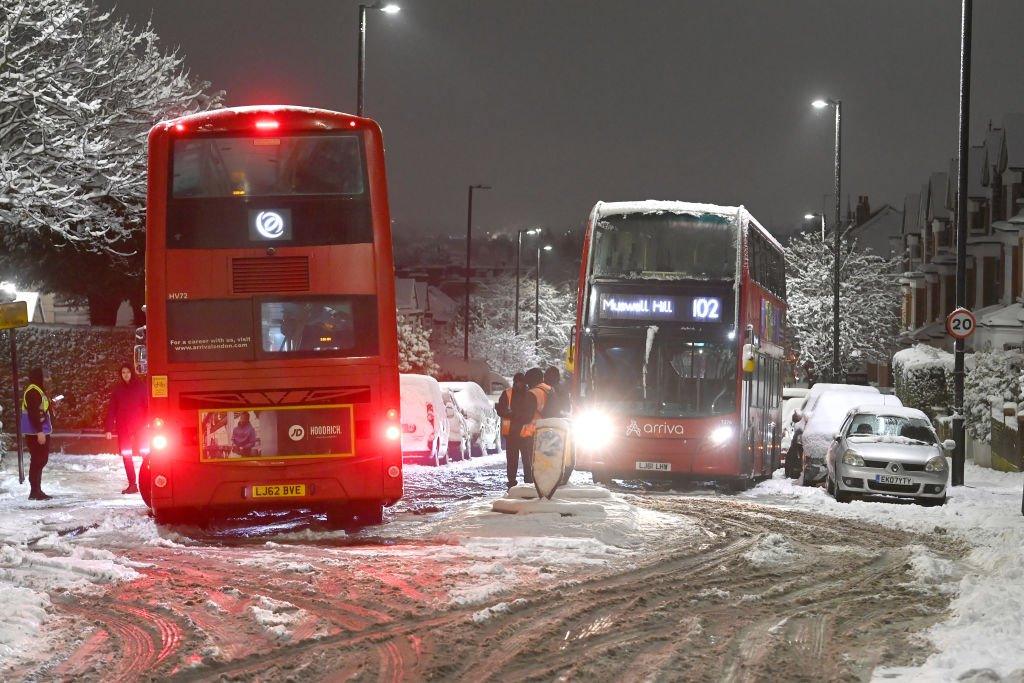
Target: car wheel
830, 486
840, 495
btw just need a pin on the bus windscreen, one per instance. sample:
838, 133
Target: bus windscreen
665, 246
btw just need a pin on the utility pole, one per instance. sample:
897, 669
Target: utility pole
957, 478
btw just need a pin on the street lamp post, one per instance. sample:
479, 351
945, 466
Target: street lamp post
838, 106
536, 295
957, 475
519, 250
811, 217
469, 244
361, 65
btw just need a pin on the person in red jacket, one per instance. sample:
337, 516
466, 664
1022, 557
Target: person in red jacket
126, 415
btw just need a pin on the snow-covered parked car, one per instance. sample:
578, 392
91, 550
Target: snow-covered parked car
458, 428
823, 413
484, 423
891, 451
424, 420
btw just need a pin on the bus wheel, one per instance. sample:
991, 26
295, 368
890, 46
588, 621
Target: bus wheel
601, 477
144, 482
179, 517
354, 516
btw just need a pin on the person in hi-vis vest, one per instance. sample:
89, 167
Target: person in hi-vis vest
36, 425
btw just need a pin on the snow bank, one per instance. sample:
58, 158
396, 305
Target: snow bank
986, 624
771, 549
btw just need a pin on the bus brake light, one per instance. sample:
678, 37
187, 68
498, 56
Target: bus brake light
267, 124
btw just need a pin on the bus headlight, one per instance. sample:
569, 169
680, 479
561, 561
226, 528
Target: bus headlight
592, 429
719, 435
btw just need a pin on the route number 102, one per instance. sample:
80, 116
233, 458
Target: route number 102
706, 308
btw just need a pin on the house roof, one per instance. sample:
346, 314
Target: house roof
976, 172
911, 205
877, 232
1013, 127
922, 207
937, 196
994, 153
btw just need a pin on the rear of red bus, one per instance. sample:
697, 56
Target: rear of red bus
270, 307
659, 345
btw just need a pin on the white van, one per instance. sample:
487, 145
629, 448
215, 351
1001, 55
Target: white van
424, 420
823, 413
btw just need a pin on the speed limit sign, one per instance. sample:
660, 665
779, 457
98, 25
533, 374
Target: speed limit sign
960, 323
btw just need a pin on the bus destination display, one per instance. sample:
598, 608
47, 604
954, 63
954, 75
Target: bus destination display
665, 307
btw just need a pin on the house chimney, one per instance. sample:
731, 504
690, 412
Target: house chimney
863, 209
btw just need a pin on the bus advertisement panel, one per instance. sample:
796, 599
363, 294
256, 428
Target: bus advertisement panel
675, 298
271, 342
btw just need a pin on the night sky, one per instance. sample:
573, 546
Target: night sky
559, 104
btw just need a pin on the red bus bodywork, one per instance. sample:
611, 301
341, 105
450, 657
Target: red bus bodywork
356, 397
645, 446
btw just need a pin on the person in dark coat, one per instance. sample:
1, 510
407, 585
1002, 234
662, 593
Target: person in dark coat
522, 406
35, 404
557, 404
243, 436
126, 415
504, 409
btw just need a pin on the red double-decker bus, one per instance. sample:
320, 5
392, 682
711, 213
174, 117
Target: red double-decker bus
678, 351
271, 338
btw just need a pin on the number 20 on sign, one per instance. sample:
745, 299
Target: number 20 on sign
960, 323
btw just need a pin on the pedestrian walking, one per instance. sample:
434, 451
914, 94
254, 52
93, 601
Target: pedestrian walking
37, 426
126, 416
539, 391
522, 406
504, 409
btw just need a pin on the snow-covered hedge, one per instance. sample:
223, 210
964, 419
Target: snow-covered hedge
414, 352
995, 378
920, 376
83, 362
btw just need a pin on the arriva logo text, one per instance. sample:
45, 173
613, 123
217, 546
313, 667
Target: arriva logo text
654, 429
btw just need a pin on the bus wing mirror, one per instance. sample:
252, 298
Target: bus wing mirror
141, 360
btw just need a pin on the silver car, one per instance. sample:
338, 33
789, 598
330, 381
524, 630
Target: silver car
888, 451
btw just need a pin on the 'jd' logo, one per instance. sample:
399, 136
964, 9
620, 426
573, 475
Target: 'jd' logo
296, 432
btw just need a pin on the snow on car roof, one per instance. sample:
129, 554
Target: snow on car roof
894, 411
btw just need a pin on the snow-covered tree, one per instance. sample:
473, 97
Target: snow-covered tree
868, 304
414, 352
78, 92
995, 377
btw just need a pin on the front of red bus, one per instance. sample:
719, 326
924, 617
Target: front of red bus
270, 315
656, 363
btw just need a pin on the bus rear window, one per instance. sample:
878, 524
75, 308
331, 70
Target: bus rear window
308, 165
211, 330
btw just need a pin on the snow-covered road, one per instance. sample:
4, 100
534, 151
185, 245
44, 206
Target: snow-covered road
780, 581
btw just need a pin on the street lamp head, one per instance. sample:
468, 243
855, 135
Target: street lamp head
390, 8
533, 231
480, 187
820, 104
547, 247
810, 216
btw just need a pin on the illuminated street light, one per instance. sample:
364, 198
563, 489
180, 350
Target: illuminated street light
390, 8
519, 250
838, 106
536, 294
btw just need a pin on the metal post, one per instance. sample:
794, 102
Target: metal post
469, 240
17, 402
519, 249
361, 68
536, 300
961, 241
838, 240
